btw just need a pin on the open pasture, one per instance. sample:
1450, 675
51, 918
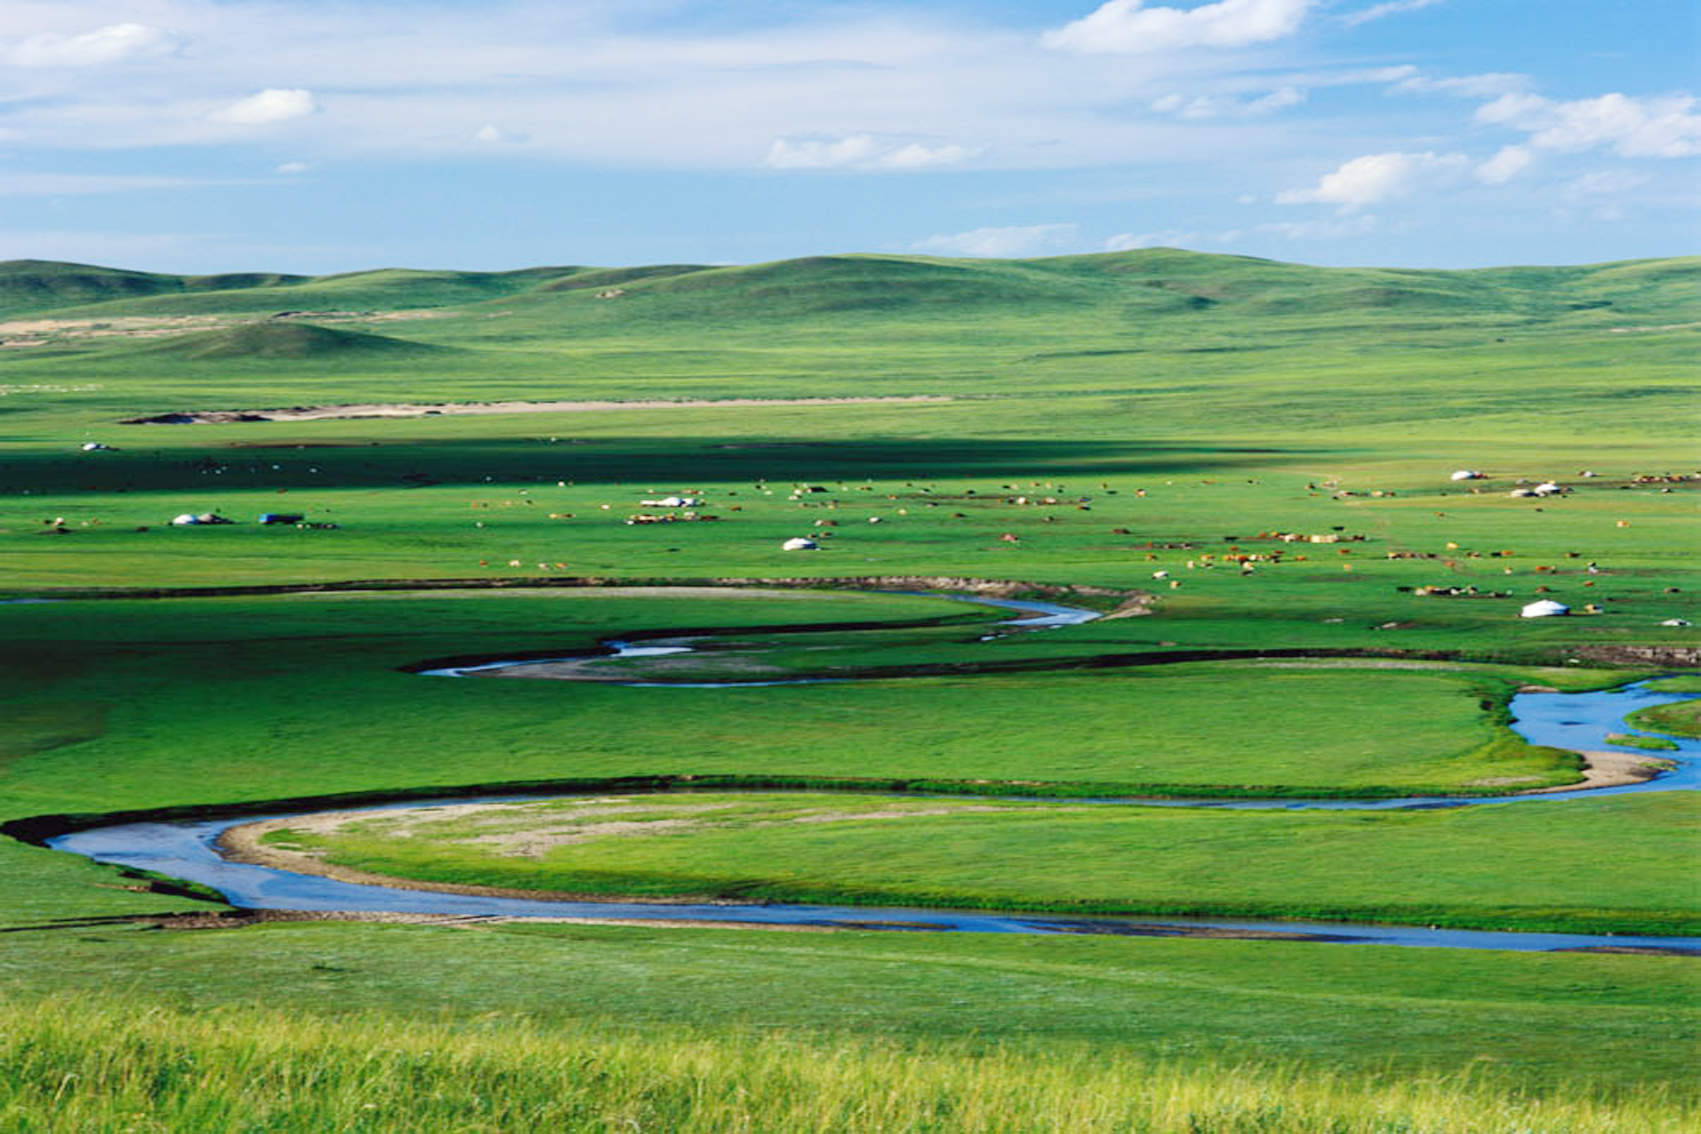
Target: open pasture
1146, 426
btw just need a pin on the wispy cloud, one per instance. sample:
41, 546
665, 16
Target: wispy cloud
861, 151
1489, 85
1308, 231
21, 184
1507, 163
1392, 7
113, 43
492, 134
1001, 243
1170, 238
1228, 106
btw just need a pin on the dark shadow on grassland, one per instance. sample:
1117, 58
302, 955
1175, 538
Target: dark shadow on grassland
342, 462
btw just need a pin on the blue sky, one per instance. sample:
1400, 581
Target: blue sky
295, 135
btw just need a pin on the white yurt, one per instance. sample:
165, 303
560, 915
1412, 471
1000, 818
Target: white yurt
1544, 608
798, 544
1466, 474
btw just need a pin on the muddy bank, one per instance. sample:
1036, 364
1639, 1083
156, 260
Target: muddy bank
446, 409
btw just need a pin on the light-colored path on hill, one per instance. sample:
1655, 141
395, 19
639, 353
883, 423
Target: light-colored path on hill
408, 409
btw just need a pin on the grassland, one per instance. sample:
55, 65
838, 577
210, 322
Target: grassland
1680, 719
1176, 409
1501, 867
271, 1070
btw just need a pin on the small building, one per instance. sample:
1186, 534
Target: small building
1544, 608
799, 544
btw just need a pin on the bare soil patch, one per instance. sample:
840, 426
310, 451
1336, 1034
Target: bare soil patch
433, 409
22, 333
242, 844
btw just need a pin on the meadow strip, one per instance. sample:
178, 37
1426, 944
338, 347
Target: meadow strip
165, 1069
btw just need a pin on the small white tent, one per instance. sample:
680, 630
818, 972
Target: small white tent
1466, 474
798, 544
1544, 608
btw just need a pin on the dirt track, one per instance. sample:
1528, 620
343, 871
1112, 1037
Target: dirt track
445, 409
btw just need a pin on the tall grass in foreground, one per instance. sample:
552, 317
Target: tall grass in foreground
95, 1065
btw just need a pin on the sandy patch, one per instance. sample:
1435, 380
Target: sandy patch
432, 409
523, 830
1610, 769
536, 841
16, 333
242, 844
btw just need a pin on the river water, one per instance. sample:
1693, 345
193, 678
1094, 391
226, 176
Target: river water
1578, 721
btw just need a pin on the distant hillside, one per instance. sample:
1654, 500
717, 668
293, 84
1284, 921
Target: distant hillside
287, 341
82, 291
1139, 285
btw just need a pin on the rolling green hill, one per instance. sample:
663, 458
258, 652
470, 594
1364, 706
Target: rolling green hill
1141, 283
286, 341
82, 292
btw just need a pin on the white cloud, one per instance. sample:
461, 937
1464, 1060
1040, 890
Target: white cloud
860, 151
1376, 12
270, 105
1127, 27
1000, 243
293, 167
1376, 177
811, 153
1662, 126
1505, 165
111, 44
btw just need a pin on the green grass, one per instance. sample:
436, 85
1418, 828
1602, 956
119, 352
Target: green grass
276, 1071
1650, 743
286, 341
1197, 400
1680, 718
1501, 867
275, 696
1578, 1028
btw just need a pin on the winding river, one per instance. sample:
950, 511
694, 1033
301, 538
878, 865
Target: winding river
1576, 721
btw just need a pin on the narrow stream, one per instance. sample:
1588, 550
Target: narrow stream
1578, 721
